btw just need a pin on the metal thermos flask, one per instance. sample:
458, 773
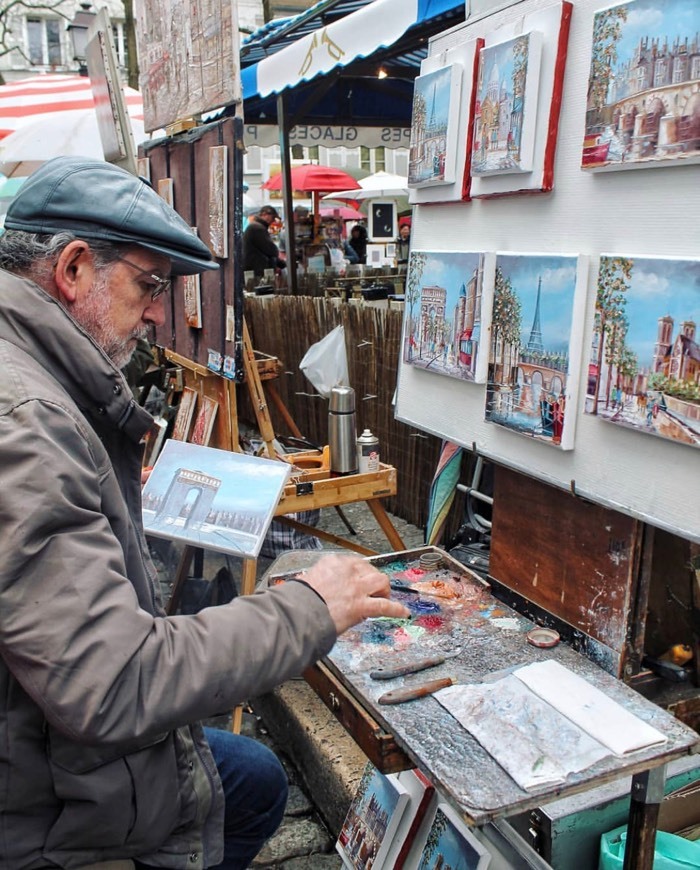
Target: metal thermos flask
342, 431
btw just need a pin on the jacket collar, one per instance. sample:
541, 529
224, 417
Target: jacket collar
41, 327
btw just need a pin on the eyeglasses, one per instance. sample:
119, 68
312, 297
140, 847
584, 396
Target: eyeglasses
162, 285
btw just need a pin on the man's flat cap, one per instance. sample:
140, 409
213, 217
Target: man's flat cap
96, 200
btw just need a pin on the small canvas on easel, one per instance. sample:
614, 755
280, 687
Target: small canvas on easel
214, 499
461, 118
448, 301
643, 108
204, 421
519, 95
368, 831
185, 413
536, 345
192, 292
645, 354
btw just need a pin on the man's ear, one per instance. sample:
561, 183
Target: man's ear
75, 271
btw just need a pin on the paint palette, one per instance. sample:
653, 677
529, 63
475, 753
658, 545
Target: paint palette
441, 595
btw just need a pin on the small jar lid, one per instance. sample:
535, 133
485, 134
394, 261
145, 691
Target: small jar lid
544, 638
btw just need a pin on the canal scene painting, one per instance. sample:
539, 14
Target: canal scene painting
644, 366
536, 343
643, 101
447, 300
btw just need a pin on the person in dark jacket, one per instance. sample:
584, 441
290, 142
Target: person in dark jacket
358, 242
103, 758
259, 251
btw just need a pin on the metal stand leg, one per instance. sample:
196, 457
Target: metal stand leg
646, 796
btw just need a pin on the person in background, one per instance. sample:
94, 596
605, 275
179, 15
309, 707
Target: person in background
259, 251
102, 754
358, 242
403, 244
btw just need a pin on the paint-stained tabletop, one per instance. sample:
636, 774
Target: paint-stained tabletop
454, 614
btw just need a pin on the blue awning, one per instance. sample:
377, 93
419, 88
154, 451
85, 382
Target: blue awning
367, 32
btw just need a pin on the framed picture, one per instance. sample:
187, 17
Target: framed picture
372, 820
434, 123
382, 221
218, 200
506, 106
643, 107
192, 292
536, 345
185, 413
644, 364
447, 307
450, 843
214, 499
204, 421
520, 85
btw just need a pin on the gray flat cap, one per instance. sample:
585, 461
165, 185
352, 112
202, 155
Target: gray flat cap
96, 200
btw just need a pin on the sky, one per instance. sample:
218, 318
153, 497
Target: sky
249, 483
670, 18
556, 303
436, 84
660, 287
449, 270
502, 54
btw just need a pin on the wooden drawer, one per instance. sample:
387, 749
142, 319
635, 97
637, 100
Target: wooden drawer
377, 744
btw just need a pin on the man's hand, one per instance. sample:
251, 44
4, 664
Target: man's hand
353, 590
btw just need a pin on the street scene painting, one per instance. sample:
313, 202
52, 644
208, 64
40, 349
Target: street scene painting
643, 105
506, 106
644, 367
536, 345
444, 327
371, 821
210, 498
434, 124
450, 844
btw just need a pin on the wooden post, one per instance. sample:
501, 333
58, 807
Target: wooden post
257, 396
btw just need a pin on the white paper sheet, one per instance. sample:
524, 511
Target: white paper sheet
581, 702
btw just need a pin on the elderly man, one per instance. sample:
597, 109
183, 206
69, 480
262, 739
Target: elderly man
101, 756
259, 251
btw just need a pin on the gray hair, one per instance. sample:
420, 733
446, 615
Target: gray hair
34, 255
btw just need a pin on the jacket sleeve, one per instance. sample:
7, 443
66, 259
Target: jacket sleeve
263, 242
102, 669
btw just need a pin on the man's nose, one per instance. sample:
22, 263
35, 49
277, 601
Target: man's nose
155, 311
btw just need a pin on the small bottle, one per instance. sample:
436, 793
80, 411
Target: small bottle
367, 452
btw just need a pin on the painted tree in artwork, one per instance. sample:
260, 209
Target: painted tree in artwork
613, 283
432, 843
506, 325
413, 288
615, 348
607, 30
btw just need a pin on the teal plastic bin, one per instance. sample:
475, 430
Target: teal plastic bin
670, 852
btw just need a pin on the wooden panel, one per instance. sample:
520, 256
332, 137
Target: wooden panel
574, 559
377, 744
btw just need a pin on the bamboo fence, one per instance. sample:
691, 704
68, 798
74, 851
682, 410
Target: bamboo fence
286, 326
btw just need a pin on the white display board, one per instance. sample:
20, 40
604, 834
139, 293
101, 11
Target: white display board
645, 212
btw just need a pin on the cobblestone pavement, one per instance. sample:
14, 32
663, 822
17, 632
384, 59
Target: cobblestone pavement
303, 842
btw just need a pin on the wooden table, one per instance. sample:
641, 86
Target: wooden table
423, 734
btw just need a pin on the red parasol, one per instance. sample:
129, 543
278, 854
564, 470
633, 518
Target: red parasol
313, 178
344, 213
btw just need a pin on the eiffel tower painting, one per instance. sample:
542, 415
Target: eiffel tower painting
534, 343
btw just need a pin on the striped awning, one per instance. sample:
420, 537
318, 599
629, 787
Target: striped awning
30, 99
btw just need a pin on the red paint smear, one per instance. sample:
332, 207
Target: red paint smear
429, 621
411, 574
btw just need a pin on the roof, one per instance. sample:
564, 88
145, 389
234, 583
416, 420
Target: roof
326, 60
